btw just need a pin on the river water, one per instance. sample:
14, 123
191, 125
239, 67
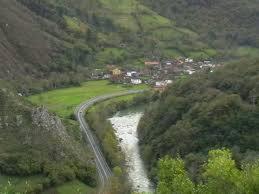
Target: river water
125, 125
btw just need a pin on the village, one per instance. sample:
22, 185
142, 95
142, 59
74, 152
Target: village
158, 74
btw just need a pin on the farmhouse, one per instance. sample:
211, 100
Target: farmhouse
131, 74
152, 63
136, 81
116, 72
188, 60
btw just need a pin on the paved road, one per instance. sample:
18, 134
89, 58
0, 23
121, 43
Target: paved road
104, 171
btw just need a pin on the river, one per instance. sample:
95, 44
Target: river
125, 125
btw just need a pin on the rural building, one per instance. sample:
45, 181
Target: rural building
106, 76
160, 84
163, 83
136, 81
168, 63
190, 71
152, 63
188, 60
116, 72
131, 73
168, 82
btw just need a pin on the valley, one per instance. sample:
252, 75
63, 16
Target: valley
70, 68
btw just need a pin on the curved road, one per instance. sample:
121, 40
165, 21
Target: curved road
103, 168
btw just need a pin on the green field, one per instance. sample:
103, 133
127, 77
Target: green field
12, 184
73, 187
113, 100
63, 101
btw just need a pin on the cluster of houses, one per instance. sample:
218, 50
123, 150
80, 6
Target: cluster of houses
159, 74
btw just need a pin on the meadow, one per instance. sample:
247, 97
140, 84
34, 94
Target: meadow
63, 101
19, 185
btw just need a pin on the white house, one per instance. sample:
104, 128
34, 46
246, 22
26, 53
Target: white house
188, 60
159, 84
168, 82
163, 83
190, 71
106, 76
136, 81
131, 73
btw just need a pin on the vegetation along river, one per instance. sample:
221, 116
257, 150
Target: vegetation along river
125, 124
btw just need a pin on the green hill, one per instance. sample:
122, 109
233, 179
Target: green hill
35, 143
49, 44
229, 25
58, 42
206, 111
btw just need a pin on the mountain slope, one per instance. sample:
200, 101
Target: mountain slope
22, 40
59, 42
222, 24
206, 111
35, 142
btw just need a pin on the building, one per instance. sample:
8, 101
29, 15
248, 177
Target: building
136, 81
190, 71
106, 76
131, 73
168, 81
116, 72
159, 84
163, 83
168, 63
188, 60
152, 63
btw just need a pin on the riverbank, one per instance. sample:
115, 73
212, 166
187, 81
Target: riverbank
97, 118
125, 124
62, 102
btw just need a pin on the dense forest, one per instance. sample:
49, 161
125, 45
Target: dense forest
206, 111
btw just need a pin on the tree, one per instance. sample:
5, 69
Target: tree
221, 175
173, 177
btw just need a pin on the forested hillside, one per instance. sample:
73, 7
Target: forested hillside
52, 41
49, 44
232, 24
206, 111
34, 142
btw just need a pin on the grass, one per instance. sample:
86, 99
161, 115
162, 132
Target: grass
110, 54
75, 24
107, 102
245, 52
73, 187
20, 184
12, 184
133, 17
63, 101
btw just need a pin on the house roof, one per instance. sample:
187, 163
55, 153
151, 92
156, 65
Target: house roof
152, 63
